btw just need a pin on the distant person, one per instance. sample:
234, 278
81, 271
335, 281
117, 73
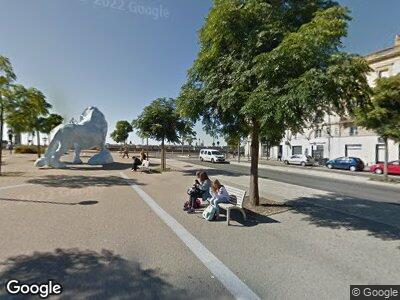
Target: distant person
143, 155
202, 190
218, 195
126, 152
136, 163
10, 147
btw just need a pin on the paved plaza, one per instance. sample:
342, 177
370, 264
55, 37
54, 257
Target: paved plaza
97, 232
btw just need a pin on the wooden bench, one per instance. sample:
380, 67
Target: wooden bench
145, 166
236, 198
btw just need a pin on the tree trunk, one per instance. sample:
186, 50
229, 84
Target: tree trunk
1, 133
239, 151
39, 154
385, 168
255, 145
147, 148
163, 164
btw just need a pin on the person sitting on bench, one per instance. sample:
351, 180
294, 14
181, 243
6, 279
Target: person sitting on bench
219, 195
201, 190
136, 163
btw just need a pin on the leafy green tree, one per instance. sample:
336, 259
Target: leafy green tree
7, 77
188, 138
383, 113
30, 113
48, 123
266, 65
161, 121
121, 132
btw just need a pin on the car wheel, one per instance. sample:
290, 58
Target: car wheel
378, 171
353, 168
212, 160
330, 166
303, 164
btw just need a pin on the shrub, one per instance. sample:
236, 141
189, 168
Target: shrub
25, 149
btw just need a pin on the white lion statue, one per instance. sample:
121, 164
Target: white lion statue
89, 132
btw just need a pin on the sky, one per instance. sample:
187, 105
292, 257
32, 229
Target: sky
119, 55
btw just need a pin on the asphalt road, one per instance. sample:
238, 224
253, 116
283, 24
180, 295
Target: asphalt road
344, 188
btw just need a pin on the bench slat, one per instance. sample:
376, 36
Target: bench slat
236, 193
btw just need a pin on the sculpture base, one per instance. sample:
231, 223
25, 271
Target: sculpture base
42, 162
104, 157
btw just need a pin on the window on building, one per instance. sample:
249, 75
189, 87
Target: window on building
353, 130
297, 150
318, 133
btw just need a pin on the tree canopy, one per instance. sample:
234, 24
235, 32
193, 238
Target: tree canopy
267, 65
29, 112
161, 121
7, 77
121, 132
383, 113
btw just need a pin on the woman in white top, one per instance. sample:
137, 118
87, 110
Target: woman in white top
219, 194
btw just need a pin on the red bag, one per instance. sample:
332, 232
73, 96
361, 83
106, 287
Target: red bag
197, 204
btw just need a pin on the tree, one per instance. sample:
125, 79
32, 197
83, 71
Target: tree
383, 113
47, 124
29, 112
161, 121
121, 132
7, 77
189, 137
265, 66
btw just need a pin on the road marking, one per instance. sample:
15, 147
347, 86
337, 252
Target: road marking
228, 279
15, 186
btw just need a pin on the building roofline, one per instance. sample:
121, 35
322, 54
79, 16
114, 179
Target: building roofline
383, 54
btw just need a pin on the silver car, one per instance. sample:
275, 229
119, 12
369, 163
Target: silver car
301, 160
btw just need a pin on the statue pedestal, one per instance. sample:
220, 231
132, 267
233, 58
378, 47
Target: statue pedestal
104, 157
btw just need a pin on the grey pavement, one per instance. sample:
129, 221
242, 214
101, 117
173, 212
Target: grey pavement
89, 230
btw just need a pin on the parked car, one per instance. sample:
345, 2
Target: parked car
393, 168
346, 163
300, 159
211, 155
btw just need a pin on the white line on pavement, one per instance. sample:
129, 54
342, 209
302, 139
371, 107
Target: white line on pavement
231, 282
14, 186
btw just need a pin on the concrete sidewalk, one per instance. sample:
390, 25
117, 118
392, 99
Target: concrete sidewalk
87, 228
380, 212
313, 251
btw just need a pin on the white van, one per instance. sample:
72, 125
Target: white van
211, 155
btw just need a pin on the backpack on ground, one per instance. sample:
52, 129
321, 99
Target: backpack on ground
210, 213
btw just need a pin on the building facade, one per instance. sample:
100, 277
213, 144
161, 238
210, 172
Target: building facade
337, 136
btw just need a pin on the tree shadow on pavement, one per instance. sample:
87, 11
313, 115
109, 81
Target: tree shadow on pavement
84, 203
379, 219
88, 275
80, 181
